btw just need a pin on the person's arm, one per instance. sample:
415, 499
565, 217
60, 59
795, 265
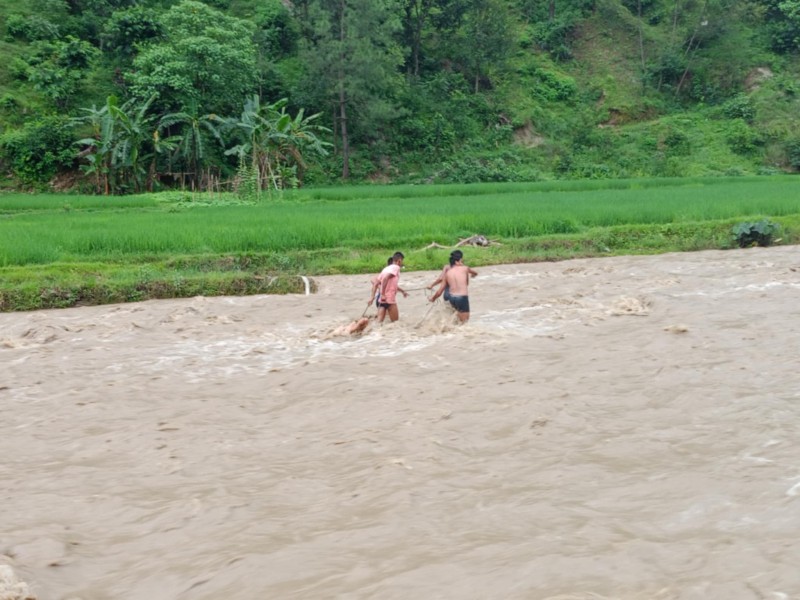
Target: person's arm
440, 278
472, 271
376, 281
439, 291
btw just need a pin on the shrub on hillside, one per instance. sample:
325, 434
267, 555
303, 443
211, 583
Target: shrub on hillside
678, 143
474, 169
30, 28
39, 150
741, 138
553, 86
739, 107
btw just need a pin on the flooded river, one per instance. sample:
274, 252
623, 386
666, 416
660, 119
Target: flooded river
616, 428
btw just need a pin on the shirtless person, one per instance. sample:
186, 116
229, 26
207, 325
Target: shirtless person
456, 279
457, 255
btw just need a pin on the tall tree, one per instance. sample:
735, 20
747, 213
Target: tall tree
353, 62
127, 29
58, 68
417, 15
486, 39
427, 20
205, 58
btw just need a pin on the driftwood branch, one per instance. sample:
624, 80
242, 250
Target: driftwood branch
476, 240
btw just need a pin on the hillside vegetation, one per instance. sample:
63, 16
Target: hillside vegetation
127, 96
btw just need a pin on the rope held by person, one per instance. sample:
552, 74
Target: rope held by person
427, 312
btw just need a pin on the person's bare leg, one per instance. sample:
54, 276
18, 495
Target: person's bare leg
463, 317
394, 312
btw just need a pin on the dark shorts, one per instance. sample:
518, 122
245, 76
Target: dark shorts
446, 294
460, 303
383, 305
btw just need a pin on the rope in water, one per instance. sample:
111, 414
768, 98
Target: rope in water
430, 308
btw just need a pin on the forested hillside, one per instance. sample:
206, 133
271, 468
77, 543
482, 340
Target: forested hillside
118, 96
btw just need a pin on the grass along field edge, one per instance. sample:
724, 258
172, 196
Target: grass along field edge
61, 285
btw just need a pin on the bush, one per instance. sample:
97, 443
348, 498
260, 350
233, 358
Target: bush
678, 142
553, 86
474, 169
30, 28
39, 150
739, 107
760, 233
741, 138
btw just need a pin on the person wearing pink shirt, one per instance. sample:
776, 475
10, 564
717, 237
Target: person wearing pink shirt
374, 294
389, 286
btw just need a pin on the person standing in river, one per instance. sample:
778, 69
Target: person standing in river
454, 255
389, 286
374, 294
456, 283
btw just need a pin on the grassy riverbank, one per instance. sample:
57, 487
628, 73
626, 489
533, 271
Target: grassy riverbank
60, 250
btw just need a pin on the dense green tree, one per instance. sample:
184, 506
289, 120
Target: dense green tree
206, 58
783, 24
486, 40
277, 38
128, 28
277, 31
86, 18
416, 19
31, 28
353, 62
57, 68
39, 150
552, 24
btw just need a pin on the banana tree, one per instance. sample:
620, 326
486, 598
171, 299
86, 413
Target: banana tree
121, 136
274, 142
196, 132
135, 129
98, 149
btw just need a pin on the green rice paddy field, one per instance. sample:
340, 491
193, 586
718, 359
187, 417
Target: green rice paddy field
65, 250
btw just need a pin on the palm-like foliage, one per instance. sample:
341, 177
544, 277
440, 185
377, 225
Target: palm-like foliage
126, 142
196, 132
98, 148
122, 138
134, 133
274, 142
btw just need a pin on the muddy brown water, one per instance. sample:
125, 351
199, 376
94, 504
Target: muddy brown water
612, 428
